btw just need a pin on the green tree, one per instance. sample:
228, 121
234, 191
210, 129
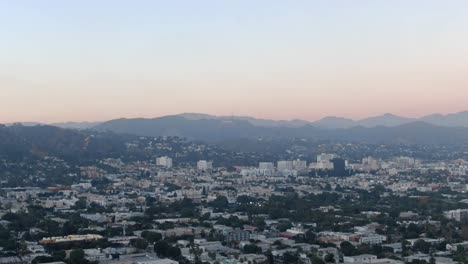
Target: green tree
252, 249
196, 252
422, 246
330, 258
164, 250
140, 243
151, 237
348, 249
77, 256
59, 255
316, 260
221, 202
80, 204
42, 259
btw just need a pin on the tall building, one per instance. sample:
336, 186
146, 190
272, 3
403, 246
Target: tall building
339, 167
164, 162
406, 162
324, 157
284, 165
299, 165
322, 165
266, 166
204, 165
371, 163
324, 162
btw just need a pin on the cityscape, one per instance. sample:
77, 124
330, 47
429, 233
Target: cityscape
233, 132
171, 207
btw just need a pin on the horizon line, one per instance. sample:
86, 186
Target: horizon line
243, 116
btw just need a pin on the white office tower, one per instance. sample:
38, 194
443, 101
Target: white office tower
324, 162
204, 165
325, 157
165, 162
299, 165
407, 162
322, 165
285, 165
371, 163
266, 166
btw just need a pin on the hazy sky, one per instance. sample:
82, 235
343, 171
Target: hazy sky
96, 59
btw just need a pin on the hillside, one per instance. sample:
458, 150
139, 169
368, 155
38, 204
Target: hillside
18, 141
216, 130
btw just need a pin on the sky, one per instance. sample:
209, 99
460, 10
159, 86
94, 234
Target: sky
93, 60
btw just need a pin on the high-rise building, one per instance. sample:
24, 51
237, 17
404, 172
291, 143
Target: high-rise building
164, 162
285, 165
324, 162
266, 166
339, 167
371, 163
407, 162
322, 165
299, 165
324, 157
204, 165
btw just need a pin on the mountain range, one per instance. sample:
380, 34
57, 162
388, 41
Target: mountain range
18, 141
434, 129
70, 125
221, 129
459, 119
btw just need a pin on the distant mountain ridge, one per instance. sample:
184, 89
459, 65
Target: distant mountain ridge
70, 125
333, 122
455, 119
252, 120
194, 129
18, 141
108, 139
388, 128
220, 129
386, 120
76, 125
459, 119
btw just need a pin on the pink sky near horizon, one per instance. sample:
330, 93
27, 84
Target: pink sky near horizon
280, 94
65, 61
276, 98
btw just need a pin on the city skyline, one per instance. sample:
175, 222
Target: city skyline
96, 61
234, 132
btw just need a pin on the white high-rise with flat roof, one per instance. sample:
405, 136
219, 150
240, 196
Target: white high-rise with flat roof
285, 165
204, 165
299, 165
164, 162
324, 157
266, 166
